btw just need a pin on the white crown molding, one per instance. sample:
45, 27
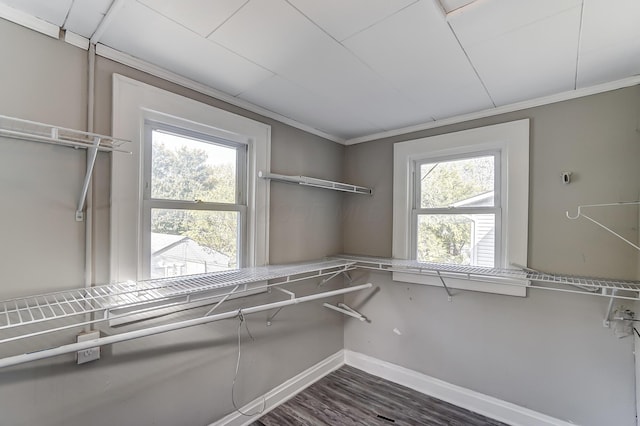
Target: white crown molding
139, 64
518, 106
24, 19
76, 40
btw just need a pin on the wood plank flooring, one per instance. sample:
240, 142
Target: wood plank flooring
350, 396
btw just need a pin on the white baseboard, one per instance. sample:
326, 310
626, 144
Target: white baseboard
474, 401
477, 402
283, 392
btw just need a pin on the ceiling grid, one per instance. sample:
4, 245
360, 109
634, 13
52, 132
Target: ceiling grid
354, 70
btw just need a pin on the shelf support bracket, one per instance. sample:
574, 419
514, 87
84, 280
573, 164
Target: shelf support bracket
92, 153
291, 294
345, 309
449, 295
332, 276
607, 318
221, 301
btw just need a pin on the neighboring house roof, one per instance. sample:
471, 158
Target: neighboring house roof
178, 247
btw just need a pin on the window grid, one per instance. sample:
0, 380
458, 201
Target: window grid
224, 207
452, 210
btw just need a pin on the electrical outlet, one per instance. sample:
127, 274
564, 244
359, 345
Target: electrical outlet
90, 354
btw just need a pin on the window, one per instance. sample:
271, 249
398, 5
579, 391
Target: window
188, 198
457, 210
462, 198
195, 202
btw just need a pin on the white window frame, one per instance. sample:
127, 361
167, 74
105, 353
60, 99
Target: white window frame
511, 140
496, 209
134, 103
239, 205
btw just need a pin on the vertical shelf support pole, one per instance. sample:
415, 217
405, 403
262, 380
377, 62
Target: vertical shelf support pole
92, 153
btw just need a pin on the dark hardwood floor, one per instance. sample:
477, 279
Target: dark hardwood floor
350, 396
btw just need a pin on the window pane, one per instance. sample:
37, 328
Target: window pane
189, 169
457, 239
187, 242
459, 183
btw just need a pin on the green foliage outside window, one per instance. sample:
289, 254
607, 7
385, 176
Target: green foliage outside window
185, 174
446, 238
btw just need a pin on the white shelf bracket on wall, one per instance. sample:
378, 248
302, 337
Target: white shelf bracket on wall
346, 310
16, 128
318, 183
580, 214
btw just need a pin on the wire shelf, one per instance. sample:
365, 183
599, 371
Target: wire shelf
77, 303
17, 128
318, 183
512, 276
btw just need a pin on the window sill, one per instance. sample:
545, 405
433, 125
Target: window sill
494, 285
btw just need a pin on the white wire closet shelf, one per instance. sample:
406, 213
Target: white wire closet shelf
154, 294
47, 308
318, 183
17, 128
517, 277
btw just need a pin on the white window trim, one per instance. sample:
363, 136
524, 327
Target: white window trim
133, 103
149, 203
512, 140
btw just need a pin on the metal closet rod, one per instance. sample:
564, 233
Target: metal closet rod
131, 335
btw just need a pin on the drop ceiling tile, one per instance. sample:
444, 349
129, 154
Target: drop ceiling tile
85, 16
271, 33
285, 98
167, 44
201, 16
293, 47
52, 11
610, 43
532, 61
484, 20
342, 18
434, 70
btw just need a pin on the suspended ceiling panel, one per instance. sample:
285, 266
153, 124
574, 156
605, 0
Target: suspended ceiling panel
610, 44
52, 11
532, 54
358, 67
85, 16
200, 16
427, 64
341, 19
168, 44
292, 101
311, 60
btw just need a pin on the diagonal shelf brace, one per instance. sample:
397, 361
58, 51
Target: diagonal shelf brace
92, 153
345, 309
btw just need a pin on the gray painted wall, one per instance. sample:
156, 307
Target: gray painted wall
179, 378
549, 351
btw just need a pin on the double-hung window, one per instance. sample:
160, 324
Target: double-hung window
462, 199
195, 202
188, 198
456, 217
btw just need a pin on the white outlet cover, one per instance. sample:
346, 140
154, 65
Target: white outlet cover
90, 354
